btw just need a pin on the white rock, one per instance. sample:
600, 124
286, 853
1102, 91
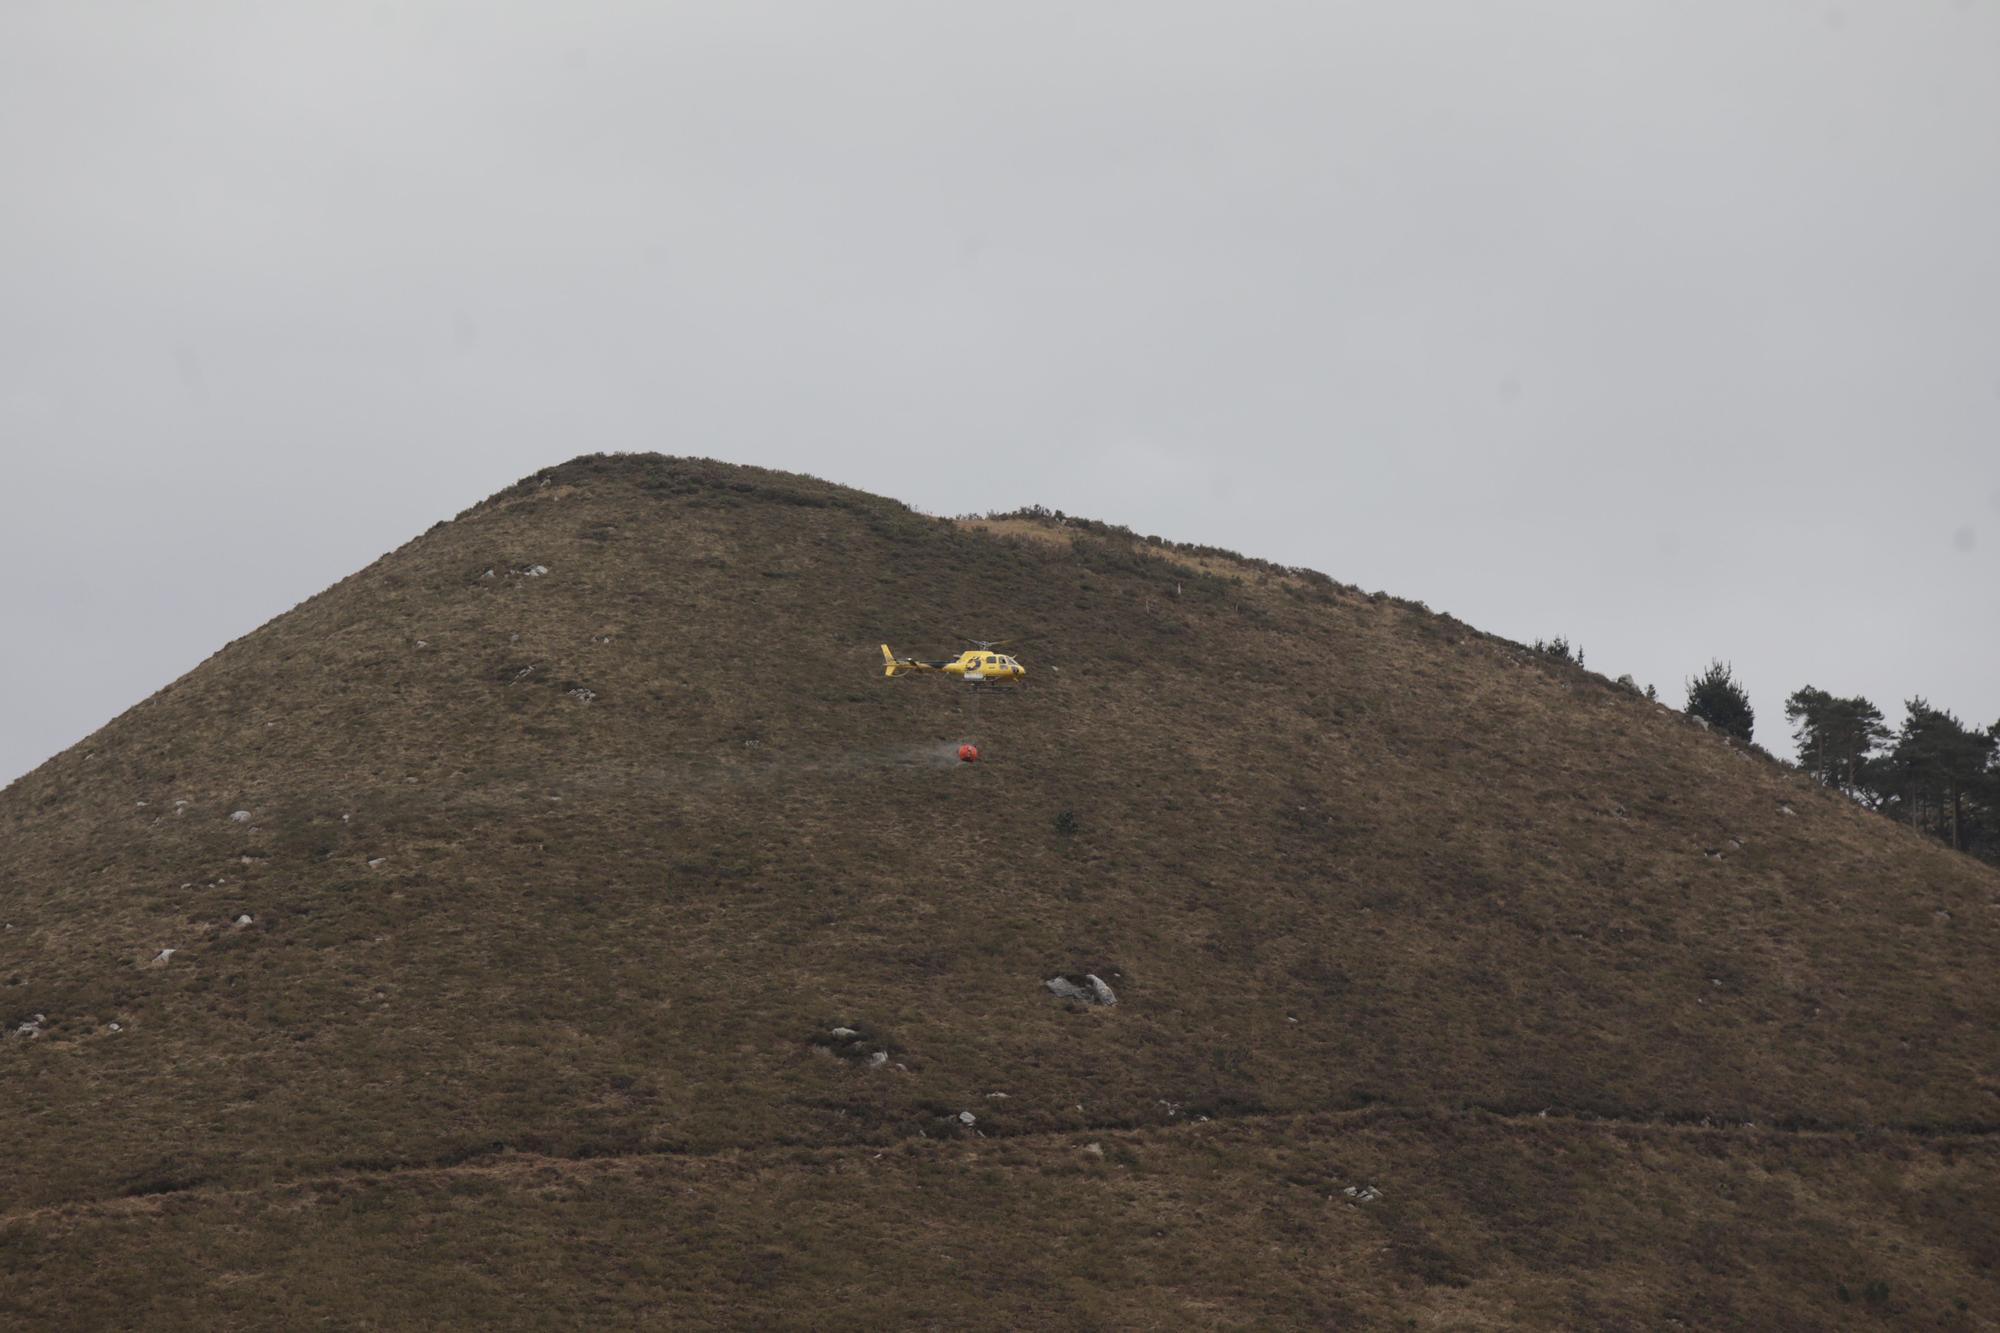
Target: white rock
535, 571
239, 816
165, 955
1787, 810
967, 1118
877, 1060
843, 1033
1093, 991
114, 1027
1093, 1149
242, 921
376, 861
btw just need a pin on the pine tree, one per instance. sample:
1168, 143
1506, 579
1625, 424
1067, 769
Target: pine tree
1717, 698
1835, 736
1968, 775
1935, 767
1988, 797
1808, 710
1857, 730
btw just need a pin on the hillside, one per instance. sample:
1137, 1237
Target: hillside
515, 884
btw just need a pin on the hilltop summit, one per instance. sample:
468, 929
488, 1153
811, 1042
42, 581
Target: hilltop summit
562, 918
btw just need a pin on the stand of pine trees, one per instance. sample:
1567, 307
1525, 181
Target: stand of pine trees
1934, 772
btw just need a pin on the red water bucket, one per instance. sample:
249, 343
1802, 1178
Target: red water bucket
968, 753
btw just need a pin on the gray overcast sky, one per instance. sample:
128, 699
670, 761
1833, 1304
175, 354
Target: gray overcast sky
1671, 327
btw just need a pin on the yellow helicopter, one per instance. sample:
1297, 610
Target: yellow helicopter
977, 665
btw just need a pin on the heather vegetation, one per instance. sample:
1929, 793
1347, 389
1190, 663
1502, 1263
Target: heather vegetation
562, 922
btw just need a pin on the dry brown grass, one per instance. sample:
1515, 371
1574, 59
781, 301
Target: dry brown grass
1338, 852
1051, 534
1481, 1222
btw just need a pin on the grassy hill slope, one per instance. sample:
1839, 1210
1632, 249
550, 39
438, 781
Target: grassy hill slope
568, 832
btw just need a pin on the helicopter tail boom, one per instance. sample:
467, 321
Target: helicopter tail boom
893, 665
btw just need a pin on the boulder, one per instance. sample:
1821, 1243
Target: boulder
1091, 990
